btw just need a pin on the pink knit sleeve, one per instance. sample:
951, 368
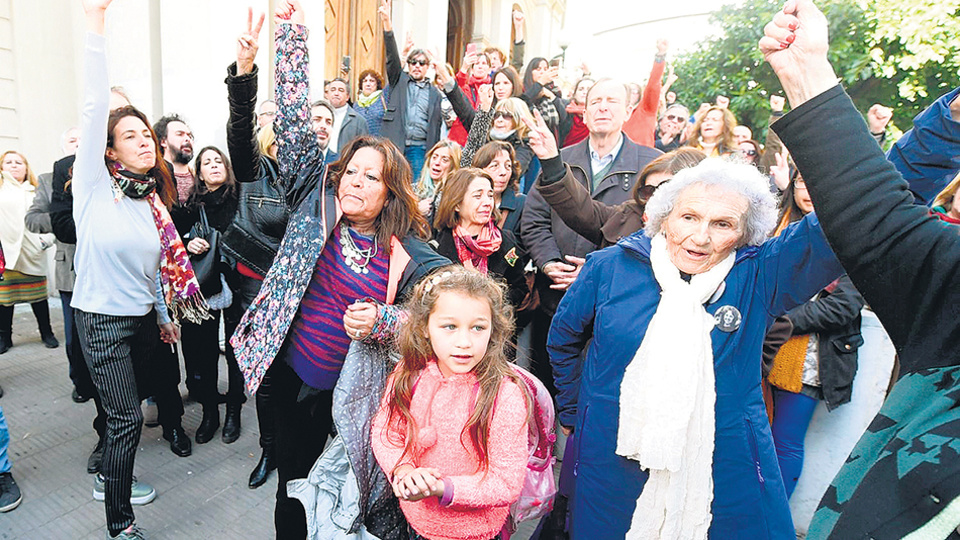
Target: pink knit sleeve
387, 443
501, 483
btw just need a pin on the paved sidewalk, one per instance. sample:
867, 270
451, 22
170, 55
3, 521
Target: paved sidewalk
204, 495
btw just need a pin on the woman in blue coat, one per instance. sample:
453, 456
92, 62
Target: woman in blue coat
675, 316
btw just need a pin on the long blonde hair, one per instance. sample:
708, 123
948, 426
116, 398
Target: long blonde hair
31, 177
416, 350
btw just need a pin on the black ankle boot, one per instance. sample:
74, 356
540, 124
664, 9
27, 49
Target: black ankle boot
262, 471
231, 424
209, 424
6, 328
5, 342
41, 310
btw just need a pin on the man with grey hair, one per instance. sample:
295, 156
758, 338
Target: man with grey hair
608, 164
347, 123
266, 112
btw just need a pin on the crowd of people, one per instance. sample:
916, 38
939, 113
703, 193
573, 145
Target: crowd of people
383, 262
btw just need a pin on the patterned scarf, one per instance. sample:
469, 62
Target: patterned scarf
181, 291
473, 252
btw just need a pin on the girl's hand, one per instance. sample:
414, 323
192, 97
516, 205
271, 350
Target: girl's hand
248, 45
198, 246
290, 11
359, 318
169, 333
795, 44
419, 483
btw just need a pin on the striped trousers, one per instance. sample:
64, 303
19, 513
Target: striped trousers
116, 349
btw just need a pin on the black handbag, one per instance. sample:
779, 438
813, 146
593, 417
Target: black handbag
206, 266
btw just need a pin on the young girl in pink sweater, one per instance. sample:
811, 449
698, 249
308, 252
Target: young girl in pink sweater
451, 433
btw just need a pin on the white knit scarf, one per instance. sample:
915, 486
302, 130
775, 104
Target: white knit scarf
667, 405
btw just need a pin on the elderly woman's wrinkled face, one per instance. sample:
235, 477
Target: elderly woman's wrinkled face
363, 193
704, 227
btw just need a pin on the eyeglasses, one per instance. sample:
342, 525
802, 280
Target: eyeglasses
799, 183
647, 190
503, 114
673, 118
420, 62
750, 152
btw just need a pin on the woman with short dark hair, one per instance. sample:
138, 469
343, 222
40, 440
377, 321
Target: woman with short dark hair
371, 101
499, 160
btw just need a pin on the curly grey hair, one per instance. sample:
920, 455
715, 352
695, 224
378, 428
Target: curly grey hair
729, 175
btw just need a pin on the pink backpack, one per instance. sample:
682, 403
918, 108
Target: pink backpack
539, 485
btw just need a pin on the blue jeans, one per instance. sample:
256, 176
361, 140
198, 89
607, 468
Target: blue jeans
415, 156
4, 443
791, 417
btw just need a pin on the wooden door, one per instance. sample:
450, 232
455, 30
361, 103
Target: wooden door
352, 28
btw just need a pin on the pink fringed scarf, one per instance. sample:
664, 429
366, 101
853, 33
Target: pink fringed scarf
473, 252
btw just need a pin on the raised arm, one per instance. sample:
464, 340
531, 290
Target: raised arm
394, 62
242, 98
893, 250
480, 128
561, 190
518, 47
296, 143
89, 167
650, 102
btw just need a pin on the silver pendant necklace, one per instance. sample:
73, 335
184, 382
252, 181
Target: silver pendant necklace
357, 259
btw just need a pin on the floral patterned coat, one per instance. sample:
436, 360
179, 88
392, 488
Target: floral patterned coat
264, 326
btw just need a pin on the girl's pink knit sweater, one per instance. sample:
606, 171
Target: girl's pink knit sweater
481, 499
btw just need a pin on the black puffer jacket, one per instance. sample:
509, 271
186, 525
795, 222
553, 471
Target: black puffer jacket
262, 212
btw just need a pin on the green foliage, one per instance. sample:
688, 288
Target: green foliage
900, 53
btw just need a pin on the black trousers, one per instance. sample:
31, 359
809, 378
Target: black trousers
119, 352
302, 431
201, 349
245, 291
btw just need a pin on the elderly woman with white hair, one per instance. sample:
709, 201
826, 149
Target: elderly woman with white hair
673, 436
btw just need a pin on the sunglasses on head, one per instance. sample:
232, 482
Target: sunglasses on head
420, 62
504, 115
750, 152
647, 190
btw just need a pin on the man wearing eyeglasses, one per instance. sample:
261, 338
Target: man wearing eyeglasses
413, 117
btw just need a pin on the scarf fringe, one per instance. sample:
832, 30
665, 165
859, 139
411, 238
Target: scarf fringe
193, 309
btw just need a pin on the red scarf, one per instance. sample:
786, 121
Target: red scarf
473, 252
180, 288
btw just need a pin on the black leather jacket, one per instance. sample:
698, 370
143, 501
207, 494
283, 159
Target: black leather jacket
262, 213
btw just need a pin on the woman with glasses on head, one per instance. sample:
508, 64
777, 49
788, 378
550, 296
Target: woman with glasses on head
440, 162
713, 132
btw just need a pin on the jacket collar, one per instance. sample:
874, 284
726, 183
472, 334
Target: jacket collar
638, 244
510, 199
